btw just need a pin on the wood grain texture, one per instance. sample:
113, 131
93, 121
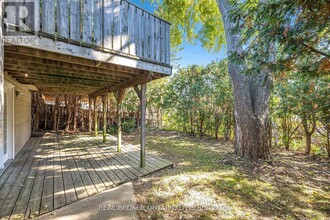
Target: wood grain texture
98, 23
62, 18
75, 20
48, 16
55, 170
108, 24
87, 21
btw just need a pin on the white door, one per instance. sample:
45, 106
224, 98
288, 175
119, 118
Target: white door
8, 125
5, 129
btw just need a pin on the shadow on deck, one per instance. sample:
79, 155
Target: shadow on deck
55, 170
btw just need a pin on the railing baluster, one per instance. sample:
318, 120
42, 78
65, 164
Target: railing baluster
157, 39
146, 35
168, 44
98, 23
124, 27
62, 18
152, 38
138, 28
162, 40
75, 20
108, 23
116, 27
131, 30
87, 21
48, 16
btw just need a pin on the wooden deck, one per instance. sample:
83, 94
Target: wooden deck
55, 170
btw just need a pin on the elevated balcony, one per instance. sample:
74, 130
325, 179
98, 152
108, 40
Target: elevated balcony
85, 47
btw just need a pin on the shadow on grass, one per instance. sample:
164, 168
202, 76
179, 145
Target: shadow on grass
293, 188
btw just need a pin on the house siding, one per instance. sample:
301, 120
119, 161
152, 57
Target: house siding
22, 114
1, 90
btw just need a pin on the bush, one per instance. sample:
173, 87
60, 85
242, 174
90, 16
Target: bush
129, 125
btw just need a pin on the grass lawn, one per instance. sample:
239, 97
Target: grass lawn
212, 184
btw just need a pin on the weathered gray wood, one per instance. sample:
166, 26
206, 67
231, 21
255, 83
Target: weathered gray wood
78, 52
152, 38
86, 165
168, 45
107, 175
25, 194
124, 27
48, 186
62, 18
59, 194
146, 41
86, 178
16, 190
108, 24
157, 40
98, 22
10, 181
87, 21
114, 160
33, 207
131, 29
80, 189
138, 33
133, 170
33, 22
99, 177
162, 42
114, 172
116, 28
75, 20
48, 16
70, 192
94, 181
144, 78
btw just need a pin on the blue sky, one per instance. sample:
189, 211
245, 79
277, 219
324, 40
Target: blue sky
191, 54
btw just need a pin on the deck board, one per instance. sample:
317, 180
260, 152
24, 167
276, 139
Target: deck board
56, 170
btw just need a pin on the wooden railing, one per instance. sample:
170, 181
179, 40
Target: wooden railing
115, 26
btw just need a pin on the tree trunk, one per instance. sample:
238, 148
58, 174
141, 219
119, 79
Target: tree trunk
308, 133
308, 143
251, 97
328, 143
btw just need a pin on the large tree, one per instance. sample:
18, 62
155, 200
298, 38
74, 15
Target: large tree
251, 92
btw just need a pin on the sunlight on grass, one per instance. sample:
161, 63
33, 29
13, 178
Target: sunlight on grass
281, 192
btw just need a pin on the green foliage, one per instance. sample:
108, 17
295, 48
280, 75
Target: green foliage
302, 101
193, 19
199, 100
297, 33
129, 125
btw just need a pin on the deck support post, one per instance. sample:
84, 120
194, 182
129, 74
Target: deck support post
46, 117
95, 117
90, 115
119, 97
104, 111
141, 92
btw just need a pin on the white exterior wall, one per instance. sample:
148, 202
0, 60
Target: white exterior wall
1, 89
22, 114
